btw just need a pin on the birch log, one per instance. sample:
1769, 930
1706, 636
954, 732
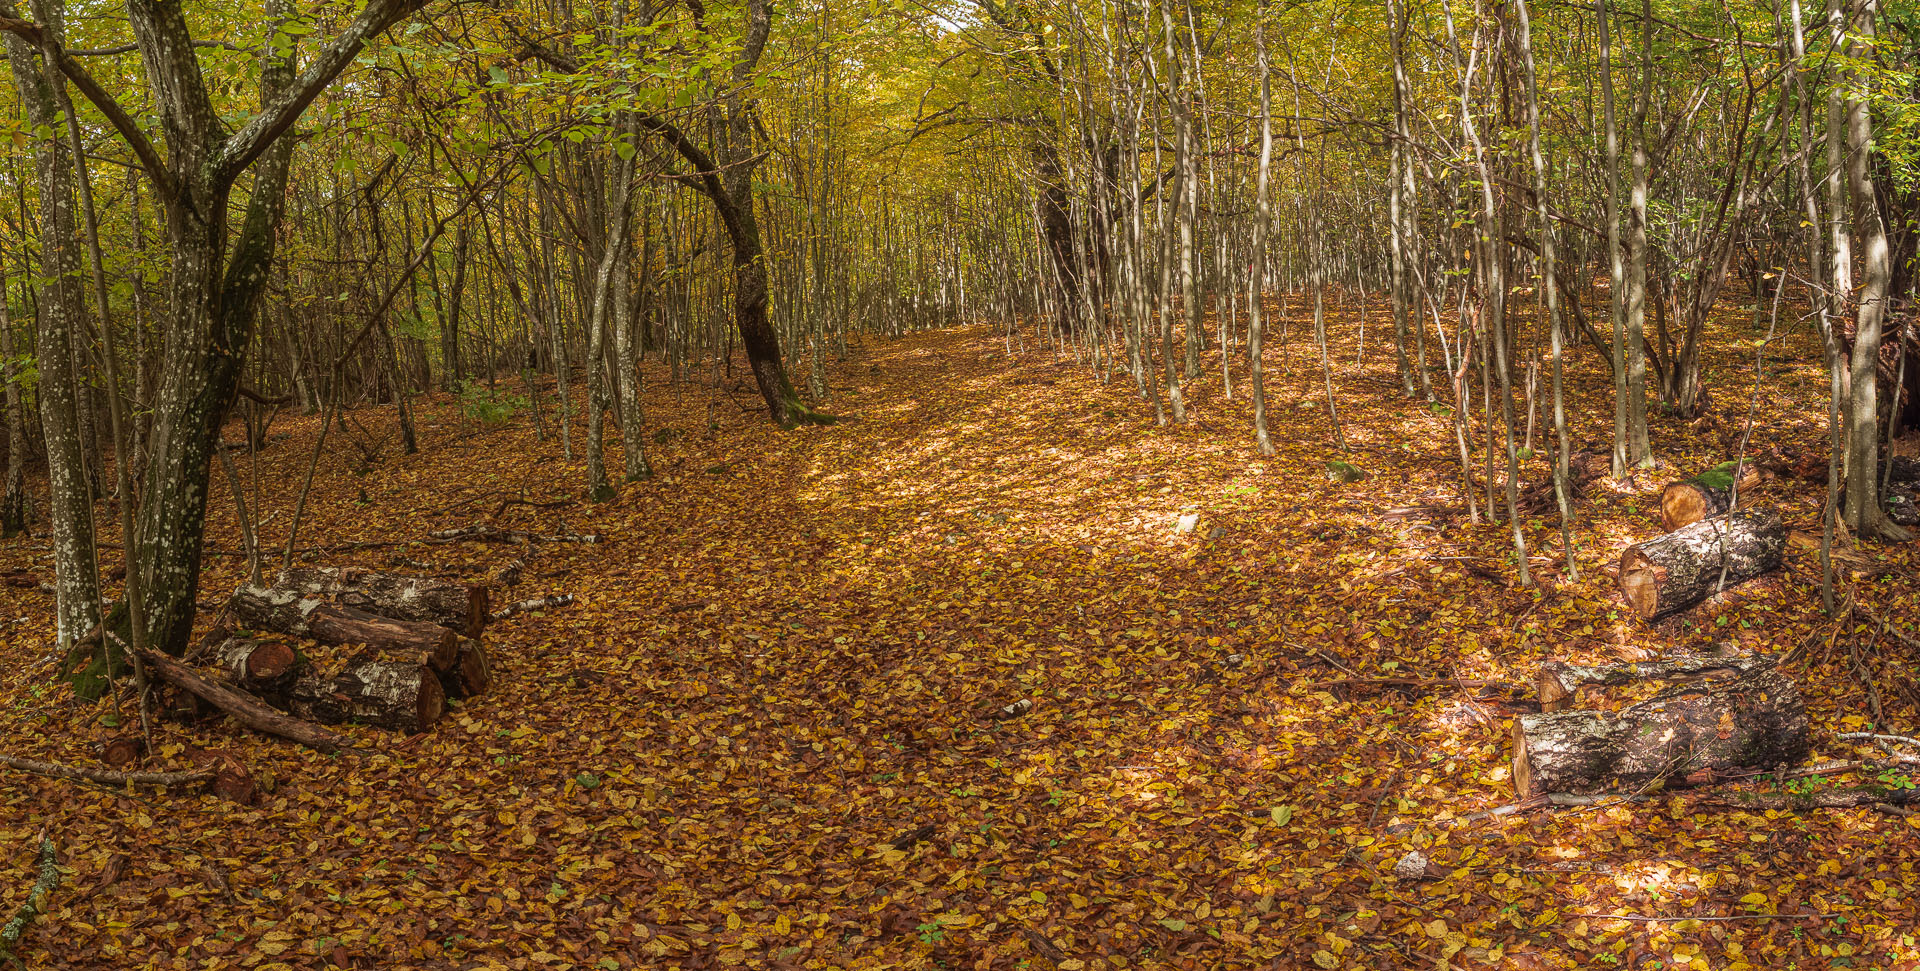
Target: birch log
459, 606
1687, 735
1670, 573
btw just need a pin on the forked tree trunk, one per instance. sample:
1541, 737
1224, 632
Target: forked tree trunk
1670, 573
1688, 735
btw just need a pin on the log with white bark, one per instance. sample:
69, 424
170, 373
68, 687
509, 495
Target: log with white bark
396, 695
1670, 573
284, 611
263, 667
461, 607
1705, 495
1687, 735
482, 533
1559, 683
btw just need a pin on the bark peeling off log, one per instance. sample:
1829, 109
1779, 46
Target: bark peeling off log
1670, 573
1683, 736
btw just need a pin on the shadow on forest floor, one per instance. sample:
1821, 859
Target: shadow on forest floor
767, 734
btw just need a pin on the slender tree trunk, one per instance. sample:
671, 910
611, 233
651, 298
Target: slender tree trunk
1262, 216
60, 299
1864, 512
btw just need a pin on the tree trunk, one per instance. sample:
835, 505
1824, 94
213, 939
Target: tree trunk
245, 708
1685, 736
457, 606
1673, 572
70, 505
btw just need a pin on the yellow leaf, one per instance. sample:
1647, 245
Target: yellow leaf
782, 925
733, 922
1436, 928
1754, 899
1326, 959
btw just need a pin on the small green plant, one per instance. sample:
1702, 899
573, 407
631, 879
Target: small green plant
487, 406
1895, 780
932, 932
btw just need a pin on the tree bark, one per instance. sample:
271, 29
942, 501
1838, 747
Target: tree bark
1670, 573
1559, 683
391, 694
262, 667
1685, 736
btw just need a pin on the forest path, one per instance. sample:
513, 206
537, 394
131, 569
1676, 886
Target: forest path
767, 735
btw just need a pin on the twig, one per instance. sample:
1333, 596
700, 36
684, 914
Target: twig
1641, 918
77, 773
537, 603
36, 900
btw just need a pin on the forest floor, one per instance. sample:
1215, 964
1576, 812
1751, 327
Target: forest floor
767, 735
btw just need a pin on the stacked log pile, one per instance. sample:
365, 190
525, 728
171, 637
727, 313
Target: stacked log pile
337, 645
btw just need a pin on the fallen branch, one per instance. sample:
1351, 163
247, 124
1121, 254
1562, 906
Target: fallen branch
482, 533
36, 900
245, 708
81, 773
537, 603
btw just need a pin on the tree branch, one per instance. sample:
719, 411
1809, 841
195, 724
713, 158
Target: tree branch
117, 116
262, 129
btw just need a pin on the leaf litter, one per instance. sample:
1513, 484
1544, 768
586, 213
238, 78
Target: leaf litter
998, 675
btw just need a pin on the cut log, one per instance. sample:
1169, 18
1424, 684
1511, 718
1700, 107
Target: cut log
1705, 495
1670, 573
472, 673
1559, 683
400, 696
121, 751
459, 606
1685, 736
245, 708
260, 666
231, 780
284, 611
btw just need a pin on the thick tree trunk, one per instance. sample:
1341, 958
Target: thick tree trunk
390, 694
1685, 736
1705, 495
286, 612
1673, 572
457, 606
